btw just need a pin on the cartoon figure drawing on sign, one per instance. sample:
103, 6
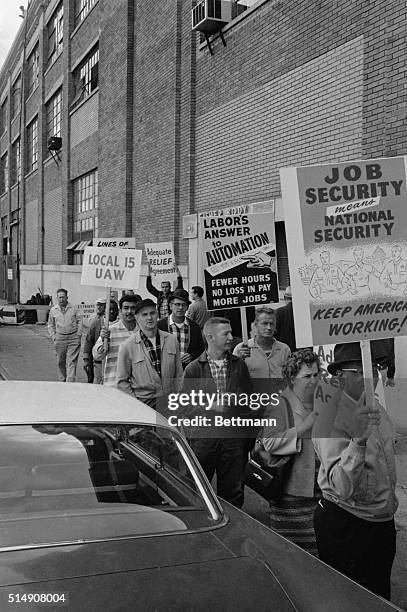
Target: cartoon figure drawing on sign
394, 273
327, 279
358, 275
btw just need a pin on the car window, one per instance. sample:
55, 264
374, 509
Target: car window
64, 483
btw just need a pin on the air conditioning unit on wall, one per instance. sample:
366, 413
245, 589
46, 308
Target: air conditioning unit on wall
210, 16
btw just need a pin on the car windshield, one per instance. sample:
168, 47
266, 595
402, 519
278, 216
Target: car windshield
74, 483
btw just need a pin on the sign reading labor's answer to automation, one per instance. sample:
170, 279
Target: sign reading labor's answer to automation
111, 267
113, 243
161, 258
346, 227
239, 259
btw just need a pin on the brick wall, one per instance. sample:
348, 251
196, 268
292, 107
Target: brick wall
156, 114
31, 212
312, 114
114, 103
84, 121
84, 157
53, 226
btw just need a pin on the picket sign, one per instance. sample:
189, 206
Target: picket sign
111, 267
367, 371
243, 320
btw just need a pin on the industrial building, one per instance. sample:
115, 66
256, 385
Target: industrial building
117, 118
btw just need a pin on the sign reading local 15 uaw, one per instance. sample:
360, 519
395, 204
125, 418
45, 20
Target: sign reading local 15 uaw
347, 248
239, 259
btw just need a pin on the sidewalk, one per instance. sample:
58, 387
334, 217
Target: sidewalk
26, 353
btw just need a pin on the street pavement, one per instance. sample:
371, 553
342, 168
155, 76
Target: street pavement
27, 353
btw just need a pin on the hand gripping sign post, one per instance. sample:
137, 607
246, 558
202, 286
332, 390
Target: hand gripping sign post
347, 248
111, 267
239, 260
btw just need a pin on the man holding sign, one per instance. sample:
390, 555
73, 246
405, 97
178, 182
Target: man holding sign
354, 520
116, 334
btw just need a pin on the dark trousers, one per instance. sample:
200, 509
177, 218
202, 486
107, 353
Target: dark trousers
360, 549
226, 457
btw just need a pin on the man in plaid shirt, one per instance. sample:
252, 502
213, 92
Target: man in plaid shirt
149, 365
187, 332
217, 371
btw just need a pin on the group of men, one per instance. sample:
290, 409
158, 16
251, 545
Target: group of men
65, 327
153, 350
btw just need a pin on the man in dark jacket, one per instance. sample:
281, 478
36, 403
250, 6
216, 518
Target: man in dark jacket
217, 372
163, 296
187, 332
285, 331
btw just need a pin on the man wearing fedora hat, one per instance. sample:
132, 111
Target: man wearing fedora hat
187, 332
354, 520
149, 365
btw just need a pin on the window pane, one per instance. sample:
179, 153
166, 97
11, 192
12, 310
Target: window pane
55, 33
85, 202
86, 76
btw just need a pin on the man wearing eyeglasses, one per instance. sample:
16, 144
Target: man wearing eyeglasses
354, 520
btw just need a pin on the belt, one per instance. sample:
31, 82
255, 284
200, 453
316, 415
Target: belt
96, 361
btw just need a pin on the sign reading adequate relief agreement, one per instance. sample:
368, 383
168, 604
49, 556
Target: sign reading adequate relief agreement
111, 267
346, 227
162, 260
239, 259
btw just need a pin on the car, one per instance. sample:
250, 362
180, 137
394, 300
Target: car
103, 505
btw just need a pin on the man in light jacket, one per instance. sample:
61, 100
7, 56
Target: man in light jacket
354, 520
149, 364
65, 329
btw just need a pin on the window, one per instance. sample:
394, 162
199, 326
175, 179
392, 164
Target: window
32, 146
55, 33
82, 8
54, 114
33, 63
4, 173
15, 169
3, 117
86, 76
98, 479
16, 96
85, 214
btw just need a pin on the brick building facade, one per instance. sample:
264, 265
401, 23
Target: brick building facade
154, 126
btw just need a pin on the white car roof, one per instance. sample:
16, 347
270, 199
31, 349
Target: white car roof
26, 402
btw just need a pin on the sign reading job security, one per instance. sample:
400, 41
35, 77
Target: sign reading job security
111, 267
239, 259
346, 227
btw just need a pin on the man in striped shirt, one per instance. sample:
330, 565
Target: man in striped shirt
118, 332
